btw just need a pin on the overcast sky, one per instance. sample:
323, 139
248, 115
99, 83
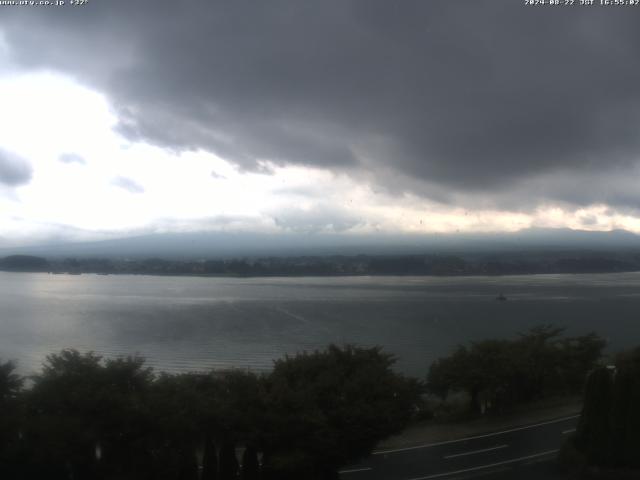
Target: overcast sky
126, 117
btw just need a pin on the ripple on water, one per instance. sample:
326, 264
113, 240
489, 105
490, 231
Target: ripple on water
181, 324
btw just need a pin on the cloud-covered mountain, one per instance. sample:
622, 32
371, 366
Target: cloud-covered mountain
224, 245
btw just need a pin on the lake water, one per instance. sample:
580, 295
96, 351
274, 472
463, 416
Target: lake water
191, 323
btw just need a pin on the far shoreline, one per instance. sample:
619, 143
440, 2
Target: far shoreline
346, 275
423, 265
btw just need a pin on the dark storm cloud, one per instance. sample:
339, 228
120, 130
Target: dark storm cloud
127, 184
72, 158
14, 170
472, 97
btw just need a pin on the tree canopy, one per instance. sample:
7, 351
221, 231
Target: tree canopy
609, 430
86, 417
500, 373
331, 407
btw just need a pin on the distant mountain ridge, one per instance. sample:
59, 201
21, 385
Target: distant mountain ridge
229, 245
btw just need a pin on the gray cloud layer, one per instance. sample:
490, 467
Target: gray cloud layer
446, 99
322, 218
14, 170
127, 184
72, 158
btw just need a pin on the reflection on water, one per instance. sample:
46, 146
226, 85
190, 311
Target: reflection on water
185, 323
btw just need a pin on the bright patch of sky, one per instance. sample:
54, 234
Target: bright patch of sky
89, 182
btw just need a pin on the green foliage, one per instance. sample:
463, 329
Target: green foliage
500, 373
608, 431
593, 430
79, 404
331, 407
90, 418
10, 382
10, 418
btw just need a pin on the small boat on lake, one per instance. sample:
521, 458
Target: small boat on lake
501, 298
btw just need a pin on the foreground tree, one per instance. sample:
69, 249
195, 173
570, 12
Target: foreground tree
86, 418
10, 420
625, 411
608, 432
593, 432
64, 410
125, 420
95, 419
331, 407
497, 374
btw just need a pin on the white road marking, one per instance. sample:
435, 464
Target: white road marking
354, 470
571, 430
448, 442
482, 467
476, 451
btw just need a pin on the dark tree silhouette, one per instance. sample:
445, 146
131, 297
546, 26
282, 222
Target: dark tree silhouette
607, 434
11, 445
87, 418
593, 430
331, 407
497, 374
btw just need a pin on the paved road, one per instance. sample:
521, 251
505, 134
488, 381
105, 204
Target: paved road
522, 452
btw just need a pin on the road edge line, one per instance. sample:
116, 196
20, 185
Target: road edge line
448, 442
473, 452
481, 467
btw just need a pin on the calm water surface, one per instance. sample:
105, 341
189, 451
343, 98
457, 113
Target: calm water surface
184, 323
